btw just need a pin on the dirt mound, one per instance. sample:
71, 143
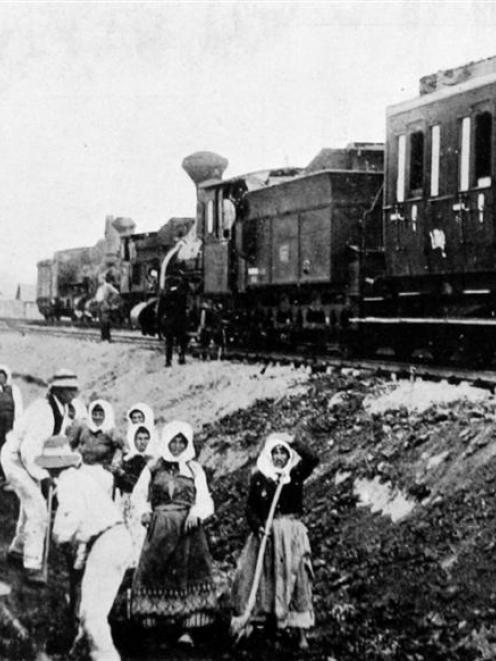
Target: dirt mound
421, 588
401, 510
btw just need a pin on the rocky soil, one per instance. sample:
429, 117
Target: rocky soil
401, 510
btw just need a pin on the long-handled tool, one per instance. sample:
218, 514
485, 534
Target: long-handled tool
44, 567
239, 623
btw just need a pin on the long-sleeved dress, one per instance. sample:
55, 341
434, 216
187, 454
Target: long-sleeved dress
285, 589
96, 447
125, 479
173, 581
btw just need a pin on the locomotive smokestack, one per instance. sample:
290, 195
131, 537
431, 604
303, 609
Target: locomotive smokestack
204, 165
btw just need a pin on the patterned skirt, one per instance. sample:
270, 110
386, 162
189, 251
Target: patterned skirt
173, 580
285, 588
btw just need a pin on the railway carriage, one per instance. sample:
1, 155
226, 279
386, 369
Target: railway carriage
439, 290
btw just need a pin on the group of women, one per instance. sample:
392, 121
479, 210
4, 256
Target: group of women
163, 493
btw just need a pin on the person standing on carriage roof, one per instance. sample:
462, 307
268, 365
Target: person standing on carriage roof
45, 417
10, 407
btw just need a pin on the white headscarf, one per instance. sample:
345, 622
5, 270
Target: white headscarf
147, 411
168, 432
131, 441
265, 463
108, 421
203, 507
8, 374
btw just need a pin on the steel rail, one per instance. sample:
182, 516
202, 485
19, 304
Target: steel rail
318, 363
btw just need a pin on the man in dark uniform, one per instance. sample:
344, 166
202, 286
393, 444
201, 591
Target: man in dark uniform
173, 318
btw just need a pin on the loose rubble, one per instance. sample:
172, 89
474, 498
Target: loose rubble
418, 587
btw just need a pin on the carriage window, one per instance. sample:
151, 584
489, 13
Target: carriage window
218, 215
229, 213
416, 160
435, 154
210, 217
465, 154
400, 181
483, 139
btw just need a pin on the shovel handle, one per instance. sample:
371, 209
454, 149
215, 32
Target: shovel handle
261, 552
48, 534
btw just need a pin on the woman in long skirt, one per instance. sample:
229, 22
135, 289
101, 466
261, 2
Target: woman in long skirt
173, 581
284, 595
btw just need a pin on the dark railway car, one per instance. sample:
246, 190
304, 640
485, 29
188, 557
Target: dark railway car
64, 283
141, 255
141, 260
440, 287
302, 242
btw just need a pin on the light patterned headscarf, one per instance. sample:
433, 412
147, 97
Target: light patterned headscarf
265, 463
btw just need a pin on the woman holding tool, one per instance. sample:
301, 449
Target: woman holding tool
273, 581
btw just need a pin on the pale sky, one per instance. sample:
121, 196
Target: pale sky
100, 102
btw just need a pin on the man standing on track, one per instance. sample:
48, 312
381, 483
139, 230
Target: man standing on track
108, 300
45, 417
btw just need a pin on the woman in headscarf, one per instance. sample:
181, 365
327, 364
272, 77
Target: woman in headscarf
96, 438
173, 581
126, 476
10, 407
284, 595
142, 414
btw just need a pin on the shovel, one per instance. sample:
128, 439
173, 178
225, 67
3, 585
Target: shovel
239, 623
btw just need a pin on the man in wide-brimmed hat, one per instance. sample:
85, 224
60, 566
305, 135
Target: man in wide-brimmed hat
45, 417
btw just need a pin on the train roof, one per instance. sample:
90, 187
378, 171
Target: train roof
442, 94
257, 179
366, 156
318, 173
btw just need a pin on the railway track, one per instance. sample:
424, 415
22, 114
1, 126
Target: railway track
316, 363
87, 334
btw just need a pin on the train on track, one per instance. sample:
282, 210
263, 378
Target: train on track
67, 283
369, 247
